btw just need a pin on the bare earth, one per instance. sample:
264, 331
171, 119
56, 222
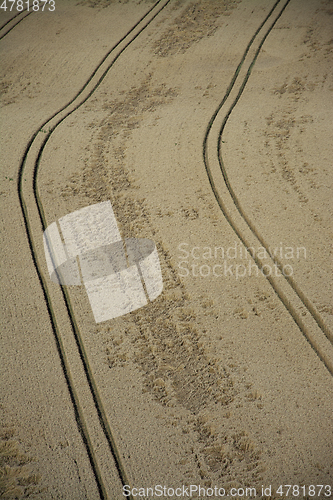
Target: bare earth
225, 380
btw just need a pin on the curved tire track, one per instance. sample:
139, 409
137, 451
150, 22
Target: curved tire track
13, 23
66, 332
310, 323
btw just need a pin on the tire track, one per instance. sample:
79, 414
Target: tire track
66, 332
15, 23
311, 325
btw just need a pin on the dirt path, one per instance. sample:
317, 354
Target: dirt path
226, 378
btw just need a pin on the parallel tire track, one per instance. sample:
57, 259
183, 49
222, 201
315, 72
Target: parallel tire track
35, 222
289, 293
13, 23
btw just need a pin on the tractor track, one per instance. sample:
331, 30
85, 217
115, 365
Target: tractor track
293, 298
35, 223
13, 23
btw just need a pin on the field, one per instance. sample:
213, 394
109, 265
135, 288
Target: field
208, 125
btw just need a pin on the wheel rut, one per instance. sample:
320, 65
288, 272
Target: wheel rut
96, 431
288, 291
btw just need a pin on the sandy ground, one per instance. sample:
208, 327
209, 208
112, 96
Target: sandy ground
225, 380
